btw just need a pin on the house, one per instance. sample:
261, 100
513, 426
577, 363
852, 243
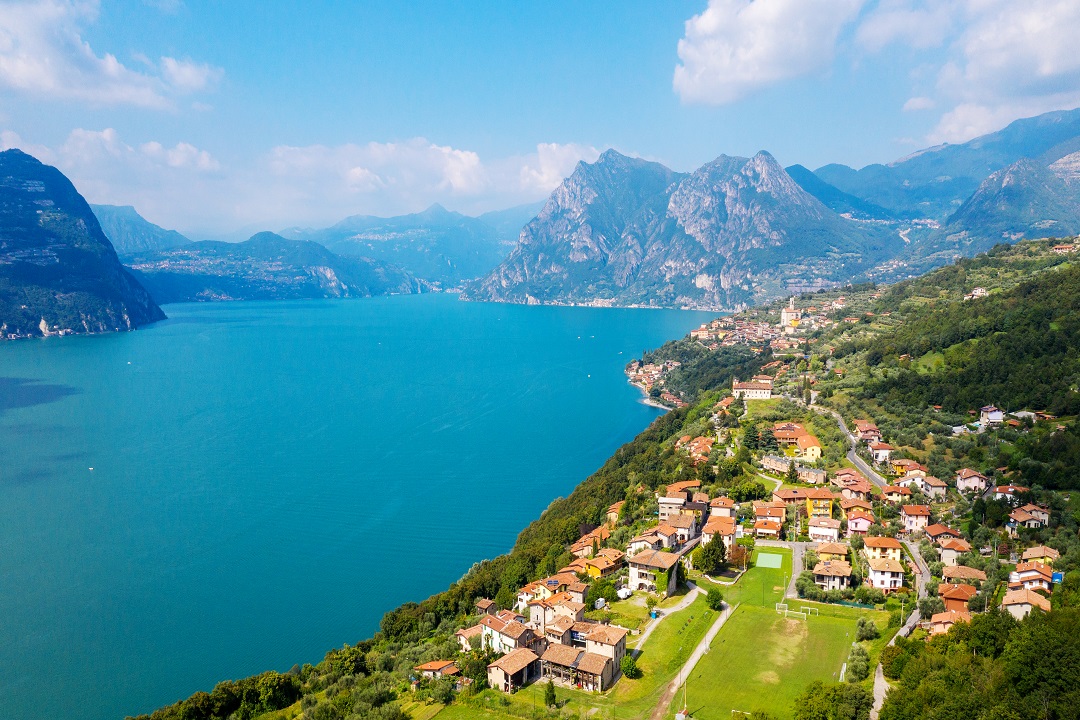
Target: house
1038, 512
809, 448
942, 621
558, 630
437, 669
650, 567
823, 529
485, 607
857, 490
669, 536
576, 667
848, 505
607, 641
1009, 492
844, 476
1063, 249
514, 670
914, 517
968, 480
962, 574
503, 635
465, 636
613, 512
777, 464
932, 487
990, 415
752, 390
832, 551
789, 496
583, 548
895, 494
886, 574
859, 521
877, 548
671, 504
952, 548
1019, 603
788, 433
1042, 554
938, 532
867, 431
1031, 576
601, 567
880, 452
956, 595
832, 574
1019, 518
685, 527
811, 476
819, 502
722, 506
722, 526
905, 466
769, 529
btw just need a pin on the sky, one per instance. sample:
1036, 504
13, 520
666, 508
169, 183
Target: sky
222, 118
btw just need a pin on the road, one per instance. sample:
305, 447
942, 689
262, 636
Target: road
661, 708
852, 456
922, 579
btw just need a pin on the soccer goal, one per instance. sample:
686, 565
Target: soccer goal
811, 610
789, 613
781, 607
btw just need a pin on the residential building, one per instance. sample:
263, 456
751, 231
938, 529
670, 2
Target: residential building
938, 532
934, 488
914, 517
832, 574
1020, 518
942, 621
1042, 554
437, 669
671, 504
613, 512
819, 502
685, 527
752, 390
722, 506
968, 480
811, 476
1031, 576
485, 607
867, 431
896, 494
952, 548
722, 526
823, 529
956, 595
906, 466
505, 635
514, 670
991, 415
849, 504
858, 489
789, 496
881, 452
832, 551
650, 566
859, 521
877, 548
886, 574
1038, 512
578, 668
1019, 603
777, 464
962, 574
769, 529
1009, 492
809, 448
465, 636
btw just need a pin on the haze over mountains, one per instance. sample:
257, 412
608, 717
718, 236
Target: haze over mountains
619, 231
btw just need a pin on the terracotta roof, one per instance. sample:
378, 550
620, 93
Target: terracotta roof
665, 529
894, 490
831, 548
819, 494
681, 521
565, 655
857, 513
824, 523
717, 525
470, 631
484, 603
915, 510
937, 529
592, 663
885, 565
1041, 551
768, 512
515, 661
833, 568
962, 572
951, 617
956, 591
1037, 567
767, 525
560, 625
967, 473
957, 544
606, 634
882, 542
722, 502
434, 666
807, 441
655, 559
1026, 597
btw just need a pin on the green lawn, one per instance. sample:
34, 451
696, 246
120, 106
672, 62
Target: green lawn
758, 586
756, 408
762, 661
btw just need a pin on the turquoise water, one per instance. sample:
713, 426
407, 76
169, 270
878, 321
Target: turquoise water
269, 478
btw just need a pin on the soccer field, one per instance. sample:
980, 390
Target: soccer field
762, 661
769, 560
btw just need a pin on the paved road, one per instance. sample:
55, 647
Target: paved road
852, 456
666, 699
923, 578
880, 689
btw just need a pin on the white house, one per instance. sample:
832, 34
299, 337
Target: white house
968, 480
1020, 602
1031, 576
932, 487
886, 574
832, 574
722, 526
649, 567
671, 505
821, 529
990, 415
881, 452
914, 517
754, 390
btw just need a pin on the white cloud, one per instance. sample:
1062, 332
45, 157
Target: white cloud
920, 102
917, 24
42, 53
188, 76
181, 186
736, 47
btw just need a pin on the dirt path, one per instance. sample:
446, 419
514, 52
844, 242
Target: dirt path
681, 605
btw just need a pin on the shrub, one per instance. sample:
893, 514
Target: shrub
630, 667
715, 599
858, 666
865, 629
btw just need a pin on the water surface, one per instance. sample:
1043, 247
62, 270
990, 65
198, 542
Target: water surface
246, 485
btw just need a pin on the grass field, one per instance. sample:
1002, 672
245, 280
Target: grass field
761, 661
758, 586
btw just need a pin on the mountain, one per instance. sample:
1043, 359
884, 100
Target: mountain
509, 222
58, 271
836, 199
626, 231
265, 267
439, 246
936, 181
131, 233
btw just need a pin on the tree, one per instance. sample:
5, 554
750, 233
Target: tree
767, 441
858, 665
865, 629
792, 474
712, 557
630, 667
715, 599
751, 439
549, 694
833, 702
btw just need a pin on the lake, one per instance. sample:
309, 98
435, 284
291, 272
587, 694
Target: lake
246, 485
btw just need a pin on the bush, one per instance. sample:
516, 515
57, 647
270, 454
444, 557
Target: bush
858, 666
865, 629
549, 694
715, 599
630, 667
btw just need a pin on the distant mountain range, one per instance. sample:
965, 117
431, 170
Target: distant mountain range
131, 233
736, 231
441, 247
58, 271
265, 267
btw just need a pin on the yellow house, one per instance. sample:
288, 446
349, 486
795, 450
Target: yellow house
830, 551
809, 448
881, 548
819, 502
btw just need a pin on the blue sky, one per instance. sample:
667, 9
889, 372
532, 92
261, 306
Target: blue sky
212, 117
